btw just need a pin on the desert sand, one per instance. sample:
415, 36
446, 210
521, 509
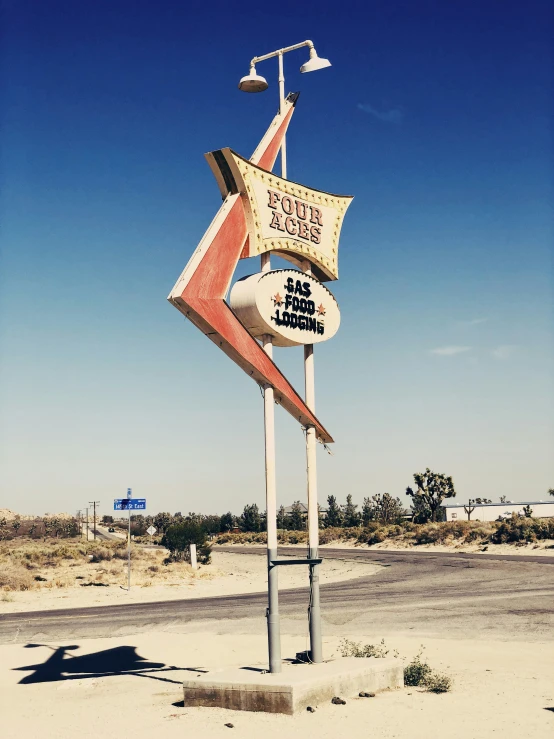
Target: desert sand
500, 689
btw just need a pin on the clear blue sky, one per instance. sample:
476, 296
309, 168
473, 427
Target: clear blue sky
436, 115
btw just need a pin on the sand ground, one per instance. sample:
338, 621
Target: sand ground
500, 689
228, 574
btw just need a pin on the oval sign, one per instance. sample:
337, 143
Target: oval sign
291, 306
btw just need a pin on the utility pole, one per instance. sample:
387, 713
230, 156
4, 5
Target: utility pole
94, 503
79, 526
86, 509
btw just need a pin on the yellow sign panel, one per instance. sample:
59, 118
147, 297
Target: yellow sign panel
296, 221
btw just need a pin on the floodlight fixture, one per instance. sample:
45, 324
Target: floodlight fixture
253, 82
315, 62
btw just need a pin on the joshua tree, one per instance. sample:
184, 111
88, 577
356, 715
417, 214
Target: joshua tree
469, 509
432, 489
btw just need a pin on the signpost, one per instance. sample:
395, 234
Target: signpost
129, 504
151, 530
263, 212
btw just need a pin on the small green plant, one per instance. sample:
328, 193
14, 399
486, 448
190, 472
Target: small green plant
438, 682
357, 649
417, 671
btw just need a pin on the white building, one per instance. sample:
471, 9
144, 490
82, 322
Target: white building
492, 511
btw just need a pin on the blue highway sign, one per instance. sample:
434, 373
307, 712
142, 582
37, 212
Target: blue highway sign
129, 504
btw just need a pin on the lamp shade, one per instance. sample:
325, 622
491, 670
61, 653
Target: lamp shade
253, 83
314, 63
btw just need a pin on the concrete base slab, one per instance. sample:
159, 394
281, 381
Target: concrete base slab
295, 688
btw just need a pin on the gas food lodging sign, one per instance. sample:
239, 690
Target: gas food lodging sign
291, 306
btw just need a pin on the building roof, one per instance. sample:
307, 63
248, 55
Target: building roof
506, 502
303, 508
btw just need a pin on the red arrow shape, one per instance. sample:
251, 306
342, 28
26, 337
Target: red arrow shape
200, 291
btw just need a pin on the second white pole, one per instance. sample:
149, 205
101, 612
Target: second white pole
316, 649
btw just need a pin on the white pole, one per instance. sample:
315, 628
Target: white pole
273, 621
281, 110
316, 651
193, 562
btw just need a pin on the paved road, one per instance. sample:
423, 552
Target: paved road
428, 593
104, 535
386, 556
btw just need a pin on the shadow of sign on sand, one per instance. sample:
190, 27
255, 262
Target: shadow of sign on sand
124, 660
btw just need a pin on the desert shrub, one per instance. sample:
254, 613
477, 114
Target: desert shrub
15, 577
479, 533
428, 534
119, 550
455, 529
180, 536
417, 671
326, 536
101, 554
372, 526
377, 537
357, 649
438, 682
518, 529
395, 531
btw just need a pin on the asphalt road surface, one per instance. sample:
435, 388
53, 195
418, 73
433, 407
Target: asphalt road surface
427, 593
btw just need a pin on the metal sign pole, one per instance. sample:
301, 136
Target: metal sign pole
316, 650
273, 619
129, 495
129, 552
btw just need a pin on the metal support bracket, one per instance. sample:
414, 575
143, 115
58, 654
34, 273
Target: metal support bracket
276, 562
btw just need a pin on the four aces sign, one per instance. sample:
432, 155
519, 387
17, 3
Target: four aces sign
282, 216
291, 306
262, 212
